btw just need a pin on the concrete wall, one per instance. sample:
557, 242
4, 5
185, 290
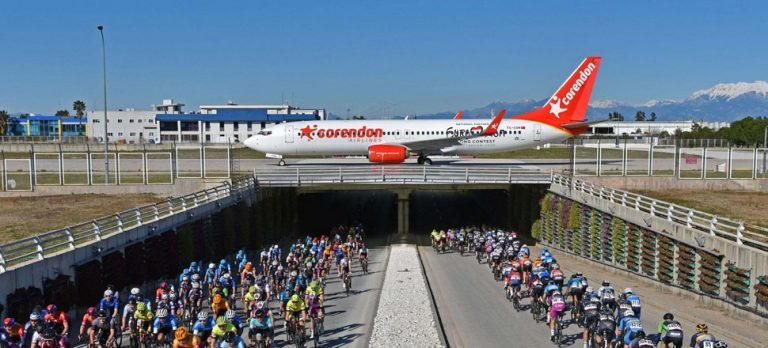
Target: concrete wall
180, 187
657, 183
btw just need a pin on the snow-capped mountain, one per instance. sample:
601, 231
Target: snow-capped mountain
722, 102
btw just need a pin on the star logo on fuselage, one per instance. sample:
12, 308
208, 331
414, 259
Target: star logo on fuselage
555, 108
307, 132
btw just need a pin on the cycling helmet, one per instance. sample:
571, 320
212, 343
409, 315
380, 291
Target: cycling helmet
701, 327
274, 263
669, 316
257, 296
578, 274
51, 308
230, 336
220, 321
230, 314
203, 315
217, 299
132, 302
627, 291
721, 344
211, 265
108, 293
590, 290
640, 334
225, 277
141, 306
280, 268
49, 333
555, 266
9, 322
606, 283
309, 264
312, 295
195, 277
259, 305
223, 262
164, 297
295, 298
162, 313
181, 333
135, 291
34, 316
629, 313
248, 266
293, 273
185, 278
172, 296
103, 313
259, 312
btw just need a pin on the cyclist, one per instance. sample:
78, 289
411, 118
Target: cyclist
363, 253
346, 272
220, 306
591, 314
210, 277
633, 300
315, 310
60, 322
260, 327
670, 332
607, 295
228, 287
203, 327
606, 327
128, 311
163, 326
33, 326
640, 341
183, 340
222, 327
247, 278
702, 338
235, 320
101, 326
232, 340
14, 330
557, 308
144, 317
296, 310
164, 289
557, 275
575, 290
85, 325
628, 327
514, 280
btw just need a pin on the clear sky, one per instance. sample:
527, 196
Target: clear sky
374, 57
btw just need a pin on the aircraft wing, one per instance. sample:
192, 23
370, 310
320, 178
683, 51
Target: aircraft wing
582, 124
437, 145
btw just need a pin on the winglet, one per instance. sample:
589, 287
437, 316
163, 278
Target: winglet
494, 126
458, 115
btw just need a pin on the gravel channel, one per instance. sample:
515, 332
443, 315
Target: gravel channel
404, 317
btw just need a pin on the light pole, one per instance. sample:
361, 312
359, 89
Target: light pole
765, 144
104, 73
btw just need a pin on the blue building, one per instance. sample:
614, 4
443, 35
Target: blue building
47, 126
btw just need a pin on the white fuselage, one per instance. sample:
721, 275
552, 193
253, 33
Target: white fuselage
355, 137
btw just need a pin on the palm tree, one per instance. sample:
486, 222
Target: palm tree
3, 122
79, 107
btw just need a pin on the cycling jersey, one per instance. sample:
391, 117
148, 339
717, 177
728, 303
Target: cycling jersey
551, 287
189, 342
109, 305
295, 306
514, 279
202, 326
629, 327
671, 332
634, 301
238, 343
642, 343
263, 324
221, 306
703, 340
160, 325
217, 331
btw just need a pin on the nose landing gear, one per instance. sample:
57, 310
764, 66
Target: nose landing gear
424, 160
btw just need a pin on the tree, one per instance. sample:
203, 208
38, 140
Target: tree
360, 117
62, 113
640, 116
79, 107
653, 117
4, 117
615, 116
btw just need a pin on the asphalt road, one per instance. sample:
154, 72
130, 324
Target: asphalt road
475, 312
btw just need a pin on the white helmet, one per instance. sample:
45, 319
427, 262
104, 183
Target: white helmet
172, 296
280, 268
211, 265
629, 313
312, 295
195, 277
164, 296
274, 263
628, 291
135, 291
259, 305
108, 293
293, 273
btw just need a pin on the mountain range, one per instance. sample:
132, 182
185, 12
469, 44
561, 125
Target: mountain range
722, 102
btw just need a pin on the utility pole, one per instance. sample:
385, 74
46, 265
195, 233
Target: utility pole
104, 74
765, 144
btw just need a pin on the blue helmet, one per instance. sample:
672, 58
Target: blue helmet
223, 262
193, 265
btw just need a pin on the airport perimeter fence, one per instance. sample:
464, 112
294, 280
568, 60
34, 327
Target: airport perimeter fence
709, 255
48, 244
25, 166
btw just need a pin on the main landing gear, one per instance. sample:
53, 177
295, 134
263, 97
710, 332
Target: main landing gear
424, 160
281, 163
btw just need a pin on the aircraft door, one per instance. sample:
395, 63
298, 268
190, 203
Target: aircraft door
537, 132
289, 133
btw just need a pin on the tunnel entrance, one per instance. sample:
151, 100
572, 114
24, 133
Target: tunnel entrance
513, 207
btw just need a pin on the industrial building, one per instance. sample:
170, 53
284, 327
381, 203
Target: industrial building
46, 126
212, 123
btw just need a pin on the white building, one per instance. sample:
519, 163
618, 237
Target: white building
648, 127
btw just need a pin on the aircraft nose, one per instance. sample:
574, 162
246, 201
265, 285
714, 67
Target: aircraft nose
252, 142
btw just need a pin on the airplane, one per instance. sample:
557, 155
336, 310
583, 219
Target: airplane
394, 141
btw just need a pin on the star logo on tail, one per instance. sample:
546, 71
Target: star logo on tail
555, 108
307, 132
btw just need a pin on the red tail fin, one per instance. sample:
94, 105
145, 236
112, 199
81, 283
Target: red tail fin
493, 127
458, 115
570, 101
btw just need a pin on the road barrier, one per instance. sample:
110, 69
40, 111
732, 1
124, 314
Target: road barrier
305, 176
677, 246
39, 247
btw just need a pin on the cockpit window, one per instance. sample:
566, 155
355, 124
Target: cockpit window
264, 132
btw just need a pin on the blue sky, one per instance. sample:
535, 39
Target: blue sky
374, 57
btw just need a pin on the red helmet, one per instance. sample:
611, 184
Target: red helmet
91, 310
163, 285
9, 321
51, 308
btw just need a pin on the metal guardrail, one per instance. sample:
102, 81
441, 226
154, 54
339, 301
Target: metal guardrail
304, 176
734, 230
68, 238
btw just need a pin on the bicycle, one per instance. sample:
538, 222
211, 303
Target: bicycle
558, 329
294, 336
535, 309
318, 329
364, 263
512, 296
576, 314
347, 283
478, 256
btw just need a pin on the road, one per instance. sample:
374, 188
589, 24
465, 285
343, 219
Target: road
476, 313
